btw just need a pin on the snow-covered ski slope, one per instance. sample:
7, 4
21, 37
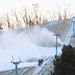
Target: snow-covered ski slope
32, 42
26, 44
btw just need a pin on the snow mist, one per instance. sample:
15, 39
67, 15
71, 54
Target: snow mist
43, 37
24, 43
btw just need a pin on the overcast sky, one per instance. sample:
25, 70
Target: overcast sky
6, 5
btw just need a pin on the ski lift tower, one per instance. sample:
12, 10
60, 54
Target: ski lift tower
16, 64
56, 34
73, 23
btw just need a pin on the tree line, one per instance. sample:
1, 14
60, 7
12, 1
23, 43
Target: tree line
17, 19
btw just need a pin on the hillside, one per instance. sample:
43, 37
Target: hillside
64, 28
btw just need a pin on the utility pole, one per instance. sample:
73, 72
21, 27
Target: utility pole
56, 44
16, 64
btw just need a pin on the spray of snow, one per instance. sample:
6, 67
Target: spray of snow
43, 37
24, 44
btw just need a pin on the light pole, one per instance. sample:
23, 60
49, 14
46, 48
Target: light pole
16, 64
73, 23
56, 34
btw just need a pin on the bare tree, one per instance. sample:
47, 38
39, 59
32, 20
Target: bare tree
1, 28
40, 19
35, 8
18, 25
66, 10
8, 21
59, 15
25, 16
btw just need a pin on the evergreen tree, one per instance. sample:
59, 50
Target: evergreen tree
65, 64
